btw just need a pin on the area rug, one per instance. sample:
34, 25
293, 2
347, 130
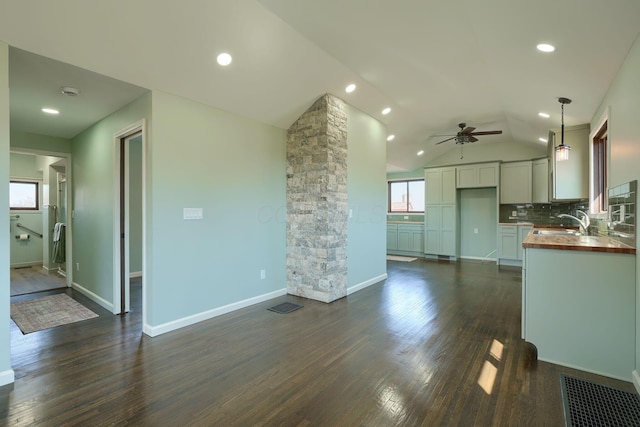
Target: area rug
48, 312
284, 308
589, 404
400, 258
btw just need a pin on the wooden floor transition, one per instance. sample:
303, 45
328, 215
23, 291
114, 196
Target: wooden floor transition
436, 344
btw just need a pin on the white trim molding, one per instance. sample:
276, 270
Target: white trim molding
360, 286
636, 379
154, 331
93, 297
7, 377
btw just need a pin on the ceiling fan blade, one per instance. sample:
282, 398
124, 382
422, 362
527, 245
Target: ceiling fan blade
488, 132
453, 137
468, 130
472, 139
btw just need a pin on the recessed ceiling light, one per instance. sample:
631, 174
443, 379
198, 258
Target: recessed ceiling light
391, 137
420, 153
543, 140
224, 59
544, 115
545, 47
350, 88
50, 111
69, 91
386, 111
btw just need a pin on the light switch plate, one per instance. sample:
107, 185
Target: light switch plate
192, 213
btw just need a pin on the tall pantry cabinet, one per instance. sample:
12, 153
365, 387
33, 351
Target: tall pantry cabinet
440, 212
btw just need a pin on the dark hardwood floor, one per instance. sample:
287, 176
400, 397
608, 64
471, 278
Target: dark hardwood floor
28, 280
436, 344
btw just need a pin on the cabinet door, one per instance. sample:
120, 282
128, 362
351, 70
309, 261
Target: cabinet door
433, 185
467, 176
392, 236
488, 175
448, 194
540, 174
448, 234
515, 182
432, 229
417, 240
523, 230
404, 239
508, 246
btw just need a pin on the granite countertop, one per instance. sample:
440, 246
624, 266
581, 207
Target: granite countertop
576, 243
406, 222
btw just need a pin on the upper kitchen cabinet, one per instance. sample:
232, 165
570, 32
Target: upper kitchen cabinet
440, 185
478, 175
570, 178
540, 174
515, 182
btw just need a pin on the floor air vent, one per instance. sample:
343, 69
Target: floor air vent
284, 308
590, 404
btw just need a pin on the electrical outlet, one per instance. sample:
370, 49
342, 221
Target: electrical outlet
406, 217
514, 213
475, 231
263, 274
77, 266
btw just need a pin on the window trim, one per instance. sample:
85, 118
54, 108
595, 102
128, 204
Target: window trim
598, 206
38, 194
407, 181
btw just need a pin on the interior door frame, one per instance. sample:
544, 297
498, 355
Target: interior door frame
69, 203
121, 211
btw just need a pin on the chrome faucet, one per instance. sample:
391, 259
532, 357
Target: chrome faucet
585, 222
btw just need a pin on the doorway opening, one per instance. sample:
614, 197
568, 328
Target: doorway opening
129, 217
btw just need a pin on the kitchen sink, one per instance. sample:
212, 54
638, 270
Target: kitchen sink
558, 232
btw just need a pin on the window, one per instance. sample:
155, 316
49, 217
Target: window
599, 196
23, 195
406, 196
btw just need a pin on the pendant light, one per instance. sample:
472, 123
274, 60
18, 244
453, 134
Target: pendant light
562, 150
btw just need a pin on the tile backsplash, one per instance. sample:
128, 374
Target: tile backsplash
543, 213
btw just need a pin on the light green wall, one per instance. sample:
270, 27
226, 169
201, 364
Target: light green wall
24, 166
366, 195
135, 205
234, 169
623, 99
478, 210
34, 141
497, 151
6, 374
93, 158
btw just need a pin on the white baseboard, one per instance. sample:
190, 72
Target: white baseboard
94, 297
582, 368
135, 274
154, 331
7, 377
25, 264
636, 380
366, 284
479, 258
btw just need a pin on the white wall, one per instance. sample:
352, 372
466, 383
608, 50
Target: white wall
6, 373
366, 195
623, 101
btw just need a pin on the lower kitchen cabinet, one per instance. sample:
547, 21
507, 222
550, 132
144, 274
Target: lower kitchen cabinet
440, 230
579, 309
405, 239
510, 239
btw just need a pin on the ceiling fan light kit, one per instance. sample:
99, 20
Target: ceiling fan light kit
562, 150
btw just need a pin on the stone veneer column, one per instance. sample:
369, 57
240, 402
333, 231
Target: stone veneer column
317, 202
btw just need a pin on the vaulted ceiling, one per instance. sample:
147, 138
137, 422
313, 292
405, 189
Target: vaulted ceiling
434, 62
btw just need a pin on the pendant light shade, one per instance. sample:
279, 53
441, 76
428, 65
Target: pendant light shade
562, 150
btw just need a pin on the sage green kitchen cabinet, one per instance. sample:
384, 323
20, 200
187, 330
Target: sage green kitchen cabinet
392, 237
510, 238
540, 178
440, 228
478, 175
570, 178
579, 309
515, 182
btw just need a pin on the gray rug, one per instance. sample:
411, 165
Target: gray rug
48, 312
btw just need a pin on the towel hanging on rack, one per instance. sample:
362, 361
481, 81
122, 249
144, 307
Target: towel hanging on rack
59, 250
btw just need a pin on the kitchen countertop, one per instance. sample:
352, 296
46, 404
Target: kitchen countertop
576, 243
515, 223
406, 222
